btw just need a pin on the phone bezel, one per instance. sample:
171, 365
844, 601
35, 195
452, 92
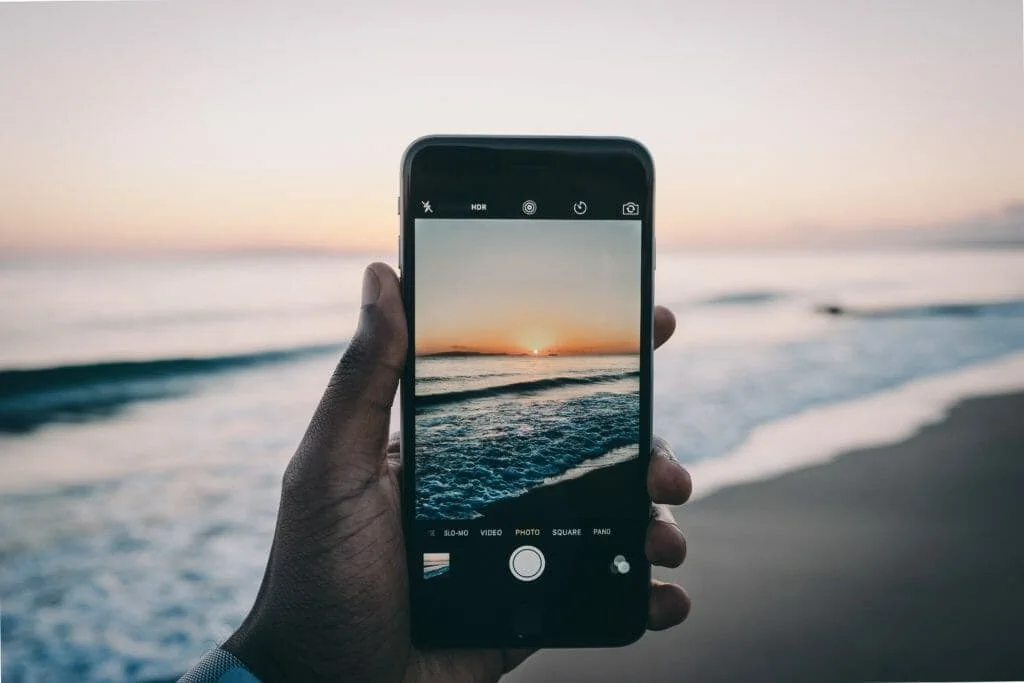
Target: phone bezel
630, 627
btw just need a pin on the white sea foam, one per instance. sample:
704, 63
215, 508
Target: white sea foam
820, 435
612, 457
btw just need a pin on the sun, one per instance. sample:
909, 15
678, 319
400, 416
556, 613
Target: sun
535, 352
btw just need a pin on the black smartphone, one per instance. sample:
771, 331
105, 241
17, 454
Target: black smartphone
527, 274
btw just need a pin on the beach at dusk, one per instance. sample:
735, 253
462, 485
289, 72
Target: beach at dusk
135, 536
189, 196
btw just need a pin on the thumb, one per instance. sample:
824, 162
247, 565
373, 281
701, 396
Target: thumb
348, 434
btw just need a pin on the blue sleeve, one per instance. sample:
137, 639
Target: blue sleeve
218, 666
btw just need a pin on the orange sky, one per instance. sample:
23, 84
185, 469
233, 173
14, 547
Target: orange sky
484, 286
270, 124
539, 338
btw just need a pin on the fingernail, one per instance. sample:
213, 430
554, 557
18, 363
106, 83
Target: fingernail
371, 287
666, 450
671, 455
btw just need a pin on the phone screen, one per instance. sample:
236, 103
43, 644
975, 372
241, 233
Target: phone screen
528, 403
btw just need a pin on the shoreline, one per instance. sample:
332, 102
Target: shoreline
892, 563
899, 562
813, 437
564, 499
823, 434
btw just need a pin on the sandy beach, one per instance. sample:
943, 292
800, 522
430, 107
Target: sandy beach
902, 563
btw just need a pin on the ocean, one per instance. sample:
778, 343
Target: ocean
490, 428
148, 407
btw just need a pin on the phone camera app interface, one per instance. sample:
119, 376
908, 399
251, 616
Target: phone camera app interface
527, 400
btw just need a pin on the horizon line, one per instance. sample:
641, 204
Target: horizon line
476, 354
787, 245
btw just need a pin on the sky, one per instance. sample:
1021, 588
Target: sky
484, 286
256, 124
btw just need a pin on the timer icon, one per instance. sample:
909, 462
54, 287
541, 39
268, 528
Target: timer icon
579, 208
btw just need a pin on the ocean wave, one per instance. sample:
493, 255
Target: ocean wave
427, 400
33, 397
750, 298
462, 378
161, 319
469, 458
1011, 308
821, 434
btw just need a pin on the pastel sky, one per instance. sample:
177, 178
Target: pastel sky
195, 124
485, 286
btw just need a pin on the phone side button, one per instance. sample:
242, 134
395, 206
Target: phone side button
399, 251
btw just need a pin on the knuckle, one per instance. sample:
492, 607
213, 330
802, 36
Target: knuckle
290, 480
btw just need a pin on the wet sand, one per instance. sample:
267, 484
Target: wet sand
566, 499
902, 563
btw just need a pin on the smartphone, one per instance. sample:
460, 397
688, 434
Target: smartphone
527, 274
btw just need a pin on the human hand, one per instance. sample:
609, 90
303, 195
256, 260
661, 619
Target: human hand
334, 602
